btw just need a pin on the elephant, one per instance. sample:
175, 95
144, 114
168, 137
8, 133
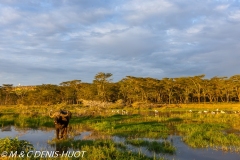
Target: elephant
61, 120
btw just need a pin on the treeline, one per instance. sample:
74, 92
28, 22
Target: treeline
130, 89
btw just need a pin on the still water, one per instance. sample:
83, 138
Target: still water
40, 137
183, 151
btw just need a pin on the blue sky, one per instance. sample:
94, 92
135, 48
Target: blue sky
52, 41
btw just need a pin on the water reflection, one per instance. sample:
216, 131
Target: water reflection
40, 137
183, 151
36, 137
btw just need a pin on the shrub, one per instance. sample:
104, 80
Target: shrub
14, 144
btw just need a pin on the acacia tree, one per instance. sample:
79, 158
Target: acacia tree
87, 91
228, 89
124, 90
169, 88
130, 89
205, 83
216, 88
102, 80
222, 88
7, 90
22, 92
196, 84
236, 81
158, 92
210, 89
184, 88
153, 90
69, 90
47, 94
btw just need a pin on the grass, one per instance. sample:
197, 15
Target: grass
157, 147
209, 135
198, 130
126, 126
101, 149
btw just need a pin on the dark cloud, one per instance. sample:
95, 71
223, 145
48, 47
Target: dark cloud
51, 41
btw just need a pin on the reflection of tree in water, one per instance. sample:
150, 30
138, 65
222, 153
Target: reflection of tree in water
6, 128
22, 131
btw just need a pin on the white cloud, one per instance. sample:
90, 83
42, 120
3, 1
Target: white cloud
142, 10
222, 7
8, 15
235, 16
64, 40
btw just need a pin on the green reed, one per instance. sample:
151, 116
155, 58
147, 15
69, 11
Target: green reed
209, 135
157, 147
101, 149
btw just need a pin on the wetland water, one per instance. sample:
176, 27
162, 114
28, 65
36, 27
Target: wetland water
39, 139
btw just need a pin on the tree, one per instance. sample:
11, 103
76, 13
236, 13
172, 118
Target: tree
69, 91
102, 80
197, 82
169, 88
87, 91
8, 93
184, 88
236, 82
47, 94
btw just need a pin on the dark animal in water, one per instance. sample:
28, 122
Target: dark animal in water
61, 120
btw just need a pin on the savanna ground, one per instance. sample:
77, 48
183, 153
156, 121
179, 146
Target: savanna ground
200, 125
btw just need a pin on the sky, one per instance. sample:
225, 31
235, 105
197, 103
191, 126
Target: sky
53, 41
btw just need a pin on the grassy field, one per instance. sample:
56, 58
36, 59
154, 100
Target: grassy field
201, 126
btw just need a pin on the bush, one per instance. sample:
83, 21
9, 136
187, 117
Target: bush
14, 144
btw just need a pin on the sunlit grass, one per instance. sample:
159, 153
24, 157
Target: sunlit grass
100, 149
157, 147
201, 106
199, 130
209, 135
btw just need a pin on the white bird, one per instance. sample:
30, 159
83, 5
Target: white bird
222, 111
190, 110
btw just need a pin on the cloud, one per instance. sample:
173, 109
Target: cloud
52, 41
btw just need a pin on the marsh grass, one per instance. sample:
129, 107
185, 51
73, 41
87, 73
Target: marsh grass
157, 147
7, 119
122, 125
209, 135
126, 126
198, 130
26, 121
142, 129
100, 149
